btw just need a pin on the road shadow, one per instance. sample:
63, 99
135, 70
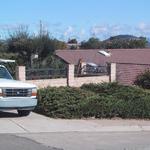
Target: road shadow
6, 114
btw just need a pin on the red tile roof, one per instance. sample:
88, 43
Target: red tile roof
73, 56
137, 56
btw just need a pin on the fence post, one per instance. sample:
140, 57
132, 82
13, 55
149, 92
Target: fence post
20, 73
70, 75
113, 72
83, 66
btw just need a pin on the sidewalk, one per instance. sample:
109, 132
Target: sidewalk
36, 123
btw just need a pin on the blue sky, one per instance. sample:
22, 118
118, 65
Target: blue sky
77, 18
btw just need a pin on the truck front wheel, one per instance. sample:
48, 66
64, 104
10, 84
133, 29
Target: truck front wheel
22, 113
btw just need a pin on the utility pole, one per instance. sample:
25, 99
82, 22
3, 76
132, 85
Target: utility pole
41, 28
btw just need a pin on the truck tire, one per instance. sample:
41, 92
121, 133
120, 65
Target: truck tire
22, 113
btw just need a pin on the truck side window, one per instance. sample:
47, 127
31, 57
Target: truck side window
4, 73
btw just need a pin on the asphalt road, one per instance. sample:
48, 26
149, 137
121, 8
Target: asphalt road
76, 141
12, 142
93, 141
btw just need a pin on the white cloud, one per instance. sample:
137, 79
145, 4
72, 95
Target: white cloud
95, 30
144, 28
8, 26
115, 29
102, 31
69, 31
82, 32
105, 31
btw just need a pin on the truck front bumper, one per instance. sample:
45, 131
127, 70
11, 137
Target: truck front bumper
18, 103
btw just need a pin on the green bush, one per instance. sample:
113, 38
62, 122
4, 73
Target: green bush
63, 102
105, 100
143, 80
113, 106
103, 88
116, 100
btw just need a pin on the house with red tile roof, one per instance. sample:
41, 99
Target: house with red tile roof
129, 62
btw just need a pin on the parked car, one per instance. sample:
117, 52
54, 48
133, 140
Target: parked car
94, 68
16, 94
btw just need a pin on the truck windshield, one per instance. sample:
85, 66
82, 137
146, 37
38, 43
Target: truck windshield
4, 73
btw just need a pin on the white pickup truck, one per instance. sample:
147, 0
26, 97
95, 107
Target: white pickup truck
16, 94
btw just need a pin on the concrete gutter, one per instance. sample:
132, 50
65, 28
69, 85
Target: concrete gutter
36, 123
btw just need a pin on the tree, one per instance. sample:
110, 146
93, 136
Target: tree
143, 80
72, 41
92, 43
116, 42
20, 42
3, 46
45, 46
25, 45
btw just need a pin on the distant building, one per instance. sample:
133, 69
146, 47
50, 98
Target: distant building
73, 46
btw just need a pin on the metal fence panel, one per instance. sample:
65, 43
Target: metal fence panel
46, 73
92, 70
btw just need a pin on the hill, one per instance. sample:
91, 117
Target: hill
128, 39
116, 42
123, 37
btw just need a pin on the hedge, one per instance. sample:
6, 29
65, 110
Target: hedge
105, 100
143, 80
63, 102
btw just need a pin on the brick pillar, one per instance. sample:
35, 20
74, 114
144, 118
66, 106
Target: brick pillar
113, 72
20, 73
70, 75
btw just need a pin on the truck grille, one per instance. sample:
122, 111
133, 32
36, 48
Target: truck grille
17, 92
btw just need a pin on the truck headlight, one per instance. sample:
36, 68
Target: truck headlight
34, 92
1, 92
